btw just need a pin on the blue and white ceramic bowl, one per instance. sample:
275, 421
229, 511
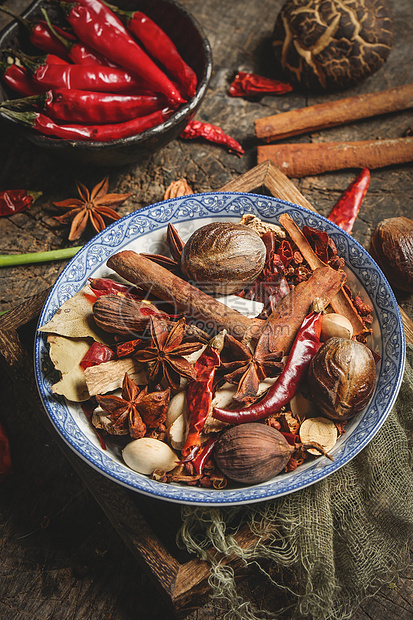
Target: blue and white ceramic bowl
144, 231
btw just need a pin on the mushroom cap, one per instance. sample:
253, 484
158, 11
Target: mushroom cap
331, 44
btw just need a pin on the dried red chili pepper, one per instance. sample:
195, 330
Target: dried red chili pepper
204, 454
81, 106
17, 78
126, 349
94, 29
107, 286
6, 468
199, 398
212, 133
41, 36
285, 252
271, 285
345, 211
16, 200
247, 84
81, 77
160, 46
97, 354
321, 243
98, 133
306, 344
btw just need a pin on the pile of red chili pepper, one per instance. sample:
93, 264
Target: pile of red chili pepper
106, 74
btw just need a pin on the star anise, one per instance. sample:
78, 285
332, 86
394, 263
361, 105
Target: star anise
136, 410
166, 353
176, 245
248, 368
94, 206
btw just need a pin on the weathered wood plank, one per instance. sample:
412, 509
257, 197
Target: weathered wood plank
61, 556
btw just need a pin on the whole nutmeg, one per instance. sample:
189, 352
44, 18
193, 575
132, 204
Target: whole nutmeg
332, 45
341, 378
392, 248
223, 257
252, 453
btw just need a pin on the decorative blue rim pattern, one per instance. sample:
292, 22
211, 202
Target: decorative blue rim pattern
144, 231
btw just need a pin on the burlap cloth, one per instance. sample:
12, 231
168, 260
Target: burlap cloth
327, 546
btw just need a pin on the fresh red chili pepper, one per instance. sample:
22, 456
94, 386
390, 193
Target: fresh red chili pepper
204, 454
212, 133
158, 44
103, 10
305, 346
16, 200
81, 77
97, 354
6, 468
98, 133
41, 36
78, 52
97, 32
199, 398
82, 106
52, 59
345, 212
17, 78
247, 84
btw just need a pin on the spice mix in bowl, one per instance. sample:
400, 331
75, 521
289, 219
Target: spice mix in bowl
250, 380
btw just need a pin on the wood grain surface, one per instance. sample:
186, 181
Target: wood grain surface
61, 557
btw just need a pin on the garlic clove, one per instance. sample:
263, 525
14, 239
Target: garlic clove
221, 399
318, 430
176, 433
302, 407
177, 406
335, 325
147, 454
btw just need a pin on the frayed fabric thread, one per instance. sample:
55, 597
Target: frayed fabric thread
341, 538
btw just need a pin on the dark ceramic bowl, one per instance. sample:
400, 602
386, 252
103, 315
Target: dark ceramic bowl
193, 46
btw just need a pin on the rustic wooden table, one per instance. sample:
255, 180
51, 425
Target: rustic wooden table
62, 553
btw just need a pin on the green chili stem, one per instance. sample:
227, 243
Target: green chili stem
11, 260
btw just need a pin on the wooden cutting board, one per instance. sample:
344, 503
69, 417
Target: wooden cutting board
147, 526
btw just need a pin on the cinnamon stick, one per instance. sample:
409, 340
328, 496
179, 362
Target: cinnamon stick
300, 160
150, 276
341, 303
283, 323
333, 113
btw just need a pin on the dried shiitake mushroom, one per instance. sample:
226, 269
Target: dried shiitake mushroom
223, 257
341, 378
392, 248
332, 44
